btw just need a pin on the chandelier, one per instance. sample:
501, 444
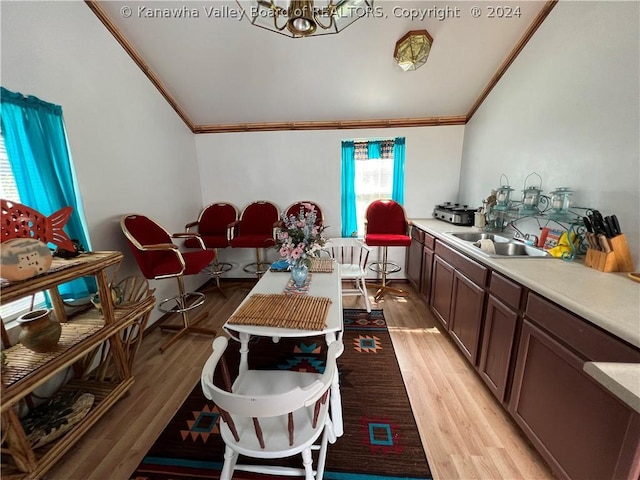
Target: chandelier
304, 18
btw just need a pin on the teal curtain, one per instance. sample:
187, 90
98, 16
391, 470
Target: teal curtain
397, 189
374, 148
36, 145
349, 219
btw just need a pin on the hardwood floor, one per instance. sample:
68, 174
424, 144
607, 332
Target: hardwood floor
465, 432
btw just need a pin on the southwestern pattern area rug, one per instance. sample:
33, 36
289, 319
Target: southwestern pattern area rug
380, 441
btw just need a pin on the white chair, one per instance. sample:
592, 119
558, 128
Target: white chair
352, 255
272, 414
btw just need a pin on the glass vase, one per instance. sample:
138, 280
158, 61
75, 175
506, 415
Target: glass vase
299, 274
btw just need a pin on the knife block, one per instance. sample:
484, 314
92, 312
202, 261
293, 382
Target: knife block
618, 260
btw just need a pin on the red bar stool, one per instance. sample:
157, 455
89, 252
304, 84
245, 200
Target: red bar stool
256, 228
159, 258
212, 227
386, 226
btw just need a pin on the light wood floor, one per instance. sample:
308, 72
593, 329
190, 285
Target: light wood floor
465, 432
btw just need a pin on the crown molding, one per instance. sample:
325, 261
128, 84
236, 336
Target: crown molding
332, 125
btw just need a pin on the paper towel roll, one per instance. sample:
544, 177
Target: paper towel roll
486, 245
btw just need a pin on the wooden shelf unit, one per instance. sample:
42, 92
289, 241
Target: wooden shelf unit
91, 344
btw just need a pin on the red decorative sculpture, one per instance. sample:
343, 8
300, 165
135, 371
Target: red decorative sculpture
20, 221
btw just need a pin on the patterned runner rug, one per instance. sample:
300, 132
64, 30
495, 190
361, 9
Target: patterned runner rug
380, 441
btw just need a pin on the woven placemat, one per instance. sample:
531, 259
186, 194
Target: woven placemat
283, 311
321, 265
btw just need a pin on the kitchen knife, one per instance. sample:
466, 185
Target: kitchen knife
604, 243
616, 224
587, 224
600, 225
591, 240
612, 228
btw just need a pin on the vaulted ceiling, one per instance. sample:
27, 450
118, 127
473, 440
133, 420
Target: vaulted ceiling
220, 73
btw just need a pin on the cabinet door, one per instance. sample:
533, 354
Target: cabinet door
427, 267
466, 315
498, 338
580, 428
414, 263
441, 289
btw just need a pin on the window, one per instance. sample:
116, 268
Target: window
9, 191
374, 180
371, 170
36, 145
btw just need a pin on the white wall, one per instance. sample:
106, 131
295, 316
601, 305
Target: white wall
568, 109
285, 167
131, 151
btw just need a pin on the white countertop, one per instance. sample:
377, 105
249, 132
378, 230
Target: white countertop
621, 379
608, 300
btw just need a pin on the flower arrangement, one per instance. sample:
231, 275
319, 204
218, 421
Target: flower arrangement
299, 239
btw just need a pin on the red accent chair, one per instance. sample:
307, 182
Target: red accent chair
158, 258
386, 226
256, 228
212, 226
294, 209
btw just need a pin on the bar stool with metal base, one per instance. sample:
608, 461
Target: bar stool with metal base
386, 226
212, 227
256, 228
158, 258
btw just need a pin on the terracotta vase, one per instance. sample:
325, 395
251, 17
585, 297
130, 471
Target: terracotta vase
39, 332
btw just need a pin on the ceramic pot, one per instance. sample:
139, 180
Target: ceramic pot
299, 274
39, 332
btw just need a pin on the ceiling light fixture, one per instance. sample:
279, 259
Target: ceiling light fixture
412, 49
301, 18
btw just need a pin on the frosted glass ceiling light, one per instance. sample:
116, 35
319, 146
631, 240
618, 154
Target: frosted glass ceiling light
412, 49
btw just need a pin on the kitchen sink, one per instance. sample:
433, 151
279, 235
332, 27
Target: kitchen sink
504, 246
515, 249
477, 236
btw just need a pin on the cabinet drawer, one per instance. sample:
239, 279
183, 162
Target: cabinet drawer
506, 290
473, 270
429, 241
417, 234
583, 337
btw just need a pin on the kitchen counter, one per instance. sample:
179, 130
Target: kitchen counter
609, 300
621, 379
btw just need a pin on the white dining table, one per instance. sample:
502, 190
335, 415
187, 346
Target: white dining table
321, 285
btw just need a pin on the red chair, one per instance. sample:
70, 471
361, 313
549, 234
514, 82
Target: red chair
158, 258
256, 228
294, 209
386, 226
212, 226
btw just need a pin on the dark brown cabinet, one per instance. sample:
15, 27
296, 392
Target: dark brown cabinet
427, 267
441, 290
413, 262
581, 429
501, 323
530, 352
466, 315
457, 297
497, 346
